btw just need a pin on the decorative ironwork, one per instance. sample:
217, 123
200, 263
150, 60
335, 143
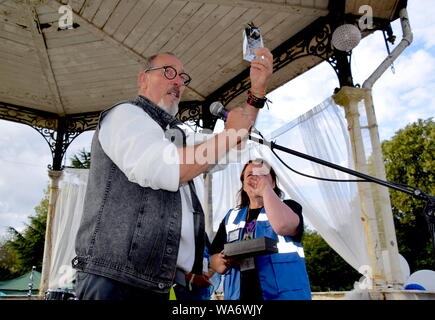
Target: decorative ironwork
83, 121
315, 40
190, 112
28, 116
58, 143
68, 128
340, 62
57, 131
319, 45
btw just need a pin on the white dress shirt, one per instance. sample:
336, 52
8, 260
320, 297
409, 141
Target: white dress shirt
137, 145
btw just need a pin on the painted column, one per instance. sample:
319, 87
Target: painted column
55, 176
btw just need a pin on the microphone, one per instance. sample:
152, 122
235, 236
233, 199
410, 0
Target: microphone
217, 109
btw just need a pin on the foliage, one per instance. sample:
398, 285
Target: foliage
409, 159
82, 160
8, 261
26, 248
23, 250
327, 271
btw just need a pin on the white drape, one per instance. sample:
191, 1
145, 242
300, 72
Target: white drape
68, 213
332, 208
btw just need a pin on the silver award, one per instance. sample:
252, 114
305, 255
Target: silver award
251, 39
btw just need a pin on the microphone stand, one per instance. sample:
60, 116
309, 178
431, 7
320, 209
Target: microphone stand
429, 209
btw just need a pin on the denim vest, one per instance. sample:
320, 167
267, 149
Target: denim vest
130, 233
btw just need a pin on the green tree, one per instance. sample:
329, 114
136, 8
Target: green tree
327, 271
81, 160
409, 159
28, 246
8, 261
23, 250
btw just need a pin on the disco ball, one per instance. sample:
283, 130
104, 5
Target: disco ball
346, 37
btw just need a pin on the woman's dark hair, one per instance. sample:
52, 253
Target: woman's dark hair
243, 196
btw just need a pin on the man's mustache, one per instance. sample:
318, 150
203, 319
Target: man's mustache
175, 90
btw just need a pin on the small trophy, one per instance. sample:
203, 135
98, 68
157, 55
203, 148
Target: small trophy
251, 39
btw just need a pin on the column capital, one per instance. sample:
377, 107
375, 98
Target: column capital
347, 95
55, 174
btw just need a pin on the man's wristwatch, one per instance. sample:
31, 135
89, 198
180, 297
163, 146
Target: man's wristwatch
255, 101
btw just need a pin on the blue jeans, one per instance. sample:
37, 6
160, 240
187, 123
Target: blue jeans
94, 287
184, 294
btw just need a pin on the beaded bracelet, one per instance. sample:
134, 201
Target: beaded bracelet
256, 93
255, 101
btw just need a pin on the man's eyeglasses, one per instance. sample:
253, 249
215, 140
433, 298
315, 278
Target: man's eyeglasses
170, 73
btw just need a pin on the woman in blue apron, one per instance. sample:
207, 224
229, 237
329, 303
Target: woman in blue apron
262, 213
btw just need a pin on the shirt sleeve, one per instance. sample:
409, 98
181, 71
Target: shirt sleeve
297, 208
219, 240
234, 155
137, 145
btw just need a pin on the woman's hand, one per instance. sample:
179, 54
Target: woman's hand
260, 182
219, 263
263, 184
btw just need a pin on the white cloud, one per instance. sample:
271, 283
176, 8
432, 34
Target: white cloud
407, 95
417, 96
304, 92
297, 97
413, 70
23, 173
421, 15
24, 164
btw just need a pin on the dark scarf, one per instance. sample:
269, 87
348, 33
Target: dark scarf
159, 115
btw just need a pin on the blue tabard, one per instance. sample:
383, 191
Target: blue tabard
282, 275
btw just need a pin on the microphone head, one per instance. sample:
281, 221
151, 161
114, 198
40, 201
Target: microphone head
216, 108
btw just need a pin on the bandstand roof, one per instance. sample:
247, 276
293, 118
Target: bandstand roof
48, 73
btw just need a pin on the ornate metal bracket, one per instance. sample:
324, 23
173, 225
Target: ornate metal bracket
68, 128
190, 113
340, 62
313, 40
196, 114
58, 143
58, 131
27, 116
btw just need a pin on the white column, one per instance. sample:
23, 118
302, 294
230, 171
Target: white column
382, 201
48, 246
349, 98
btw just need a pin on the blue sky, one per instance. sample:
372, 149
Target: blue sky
400, 98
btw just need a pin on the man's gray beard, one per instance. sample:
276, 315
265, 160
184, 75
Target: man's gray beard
172, 109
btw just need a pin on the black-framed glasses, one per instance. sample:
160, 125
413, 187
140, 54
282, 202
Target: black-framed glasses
170, 73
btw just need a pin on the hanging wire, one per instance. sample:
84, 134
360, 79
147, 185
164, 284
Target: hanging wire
304, 174
411, 188
391, 38
314, 177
